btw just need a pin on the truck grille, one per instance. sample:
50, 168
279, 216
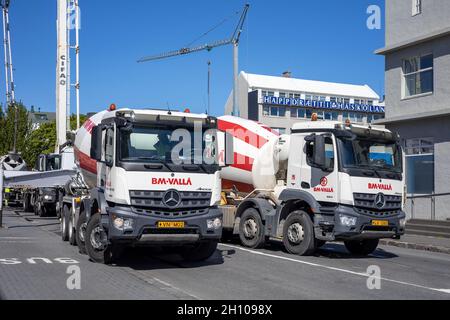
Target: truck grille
152, 203
365, 203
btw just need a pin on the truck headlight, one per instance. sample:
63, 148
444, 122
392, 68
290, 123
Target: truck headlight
402, 223
347, 221
122, 224
47, 197
214, 223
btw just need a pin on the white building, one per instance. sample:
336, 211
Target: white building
279, 102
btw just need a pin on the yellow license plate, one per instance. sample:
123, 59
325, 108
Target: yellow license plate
380, 223
171, 224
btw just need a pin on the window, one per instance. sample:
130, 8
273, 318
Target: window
357, 101
322, 98
277, 111
308, 97
333, 99
346, 100
416, 7
308, 114
266, 111
417, 75
282, 95
420, 165
297, 95
370, 102
298, 113
267, 93
331, 115
329, 153
359, 117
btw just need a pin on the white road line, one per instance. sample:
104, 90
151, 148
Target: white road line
16, 238
175, 288
334, 268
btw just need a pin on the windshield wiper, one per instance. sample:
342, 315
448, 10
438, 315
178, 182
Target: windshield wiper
155, 159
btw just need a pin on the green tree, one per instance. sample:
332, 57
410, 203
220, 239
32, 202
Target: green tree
7, 120
43, 140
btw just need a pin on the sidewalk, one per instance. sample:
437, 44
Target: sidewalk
416, 242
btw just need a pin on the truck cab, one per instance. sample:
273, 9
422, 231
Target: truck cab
153, 180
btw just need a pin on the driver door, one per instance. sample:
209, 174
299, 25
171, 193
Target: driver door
322, 183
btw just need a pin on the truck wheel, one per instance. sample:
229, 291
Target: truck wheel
251, 229
97, 246
362, 247
71, 231
27, 203
298, 234
41, 211
81, 232
65, 224
200, 252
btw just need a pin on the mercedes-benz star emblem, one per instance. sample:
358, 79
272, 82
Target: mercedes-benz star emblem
172, 198
380, 201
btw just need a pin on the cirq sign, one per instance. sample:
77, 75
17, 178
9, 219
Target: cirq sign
324, 182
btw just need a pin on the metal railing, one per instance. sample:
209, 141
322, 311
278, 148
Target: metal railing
411, 199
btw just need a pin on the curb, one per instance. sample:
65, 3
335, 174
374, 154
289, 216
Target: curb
415, 246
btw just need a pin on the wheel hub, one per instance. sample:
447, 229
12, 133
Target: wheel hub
296, 233
98, 238
250, 229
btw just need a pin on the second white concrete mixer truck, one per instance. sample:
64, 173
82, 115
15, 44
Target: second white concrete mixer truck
132, 189
326, 181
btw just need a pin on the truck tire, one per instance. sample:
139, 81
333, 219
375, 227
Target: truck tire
71, 230
251, 229
200, 252
362, 247
41, 210
81, 231
298, 234
27, 203
65, 224
97, 246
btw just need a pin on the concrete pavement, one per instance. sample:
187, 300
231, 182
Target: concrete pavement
233, 272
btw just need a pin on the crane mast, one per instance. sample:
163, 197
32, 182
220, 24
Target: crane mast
66, 9
233, 40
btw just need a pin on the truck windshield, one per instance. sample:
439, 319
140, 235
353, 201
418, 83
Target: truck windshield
168, 145
366, 153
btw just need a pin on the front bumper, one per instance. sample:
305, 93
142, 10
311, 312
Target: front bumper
329, 227
144, 229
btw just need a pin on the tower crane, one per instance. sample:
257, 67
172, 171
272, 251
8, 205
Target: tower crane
233, 40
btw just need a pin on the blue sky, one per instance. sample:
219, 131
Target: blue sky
322, 40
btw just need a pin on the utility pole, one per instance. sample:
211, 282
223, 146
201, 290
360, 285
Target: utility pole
1, 194
209, 87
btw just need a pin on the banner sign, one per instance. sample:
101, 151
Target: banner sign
295, 102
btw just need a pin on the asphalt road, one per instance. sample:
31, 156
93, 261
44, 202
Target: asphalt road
234, 272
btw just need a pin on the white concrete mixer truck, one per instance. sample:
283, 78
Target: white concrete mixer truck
146, 178
326, 181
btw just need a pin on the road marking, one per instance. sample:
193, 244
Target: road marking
16, 238
335, 269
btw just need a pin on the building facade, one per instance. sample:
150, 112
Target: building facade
417, 77
279, 102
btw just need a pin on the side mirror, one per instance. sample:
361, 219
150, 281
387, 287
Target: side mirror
96, 143
229, 149
319, 151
